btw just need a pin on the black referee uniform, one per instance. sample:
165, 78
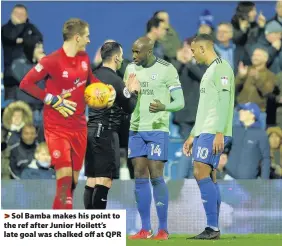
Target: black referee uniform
102, 157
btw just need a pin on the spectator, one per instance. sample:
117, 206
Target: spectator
14, 35
271, 42
190, 75
279, 100
275, 140
156, 31
33, 52
206, 23
171, 42
255, 83
39, 168
246, 28
278, 9
250, 151
5, 173
226, 49
22, 153
15, 116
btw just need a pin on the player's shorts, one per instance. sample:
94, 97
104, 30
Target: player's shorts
67, 148
203, 149
102, 157
150, 144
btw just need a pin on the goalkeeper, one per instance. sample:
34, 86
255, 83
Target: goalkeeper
66, 72
213, 128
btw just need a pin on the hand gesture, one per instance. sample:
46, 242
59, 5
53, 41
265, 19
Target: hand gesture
218, 144
244, 25
132, 83
261, 20
277, 44
112, 97
242, 70
156, 106
187, 146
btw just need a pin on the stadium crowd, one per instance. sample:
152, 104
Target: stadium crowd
249, 42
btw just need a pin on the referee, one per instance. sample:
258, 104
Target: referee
102, 159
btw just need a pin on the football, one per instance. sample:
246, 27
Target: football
97, 95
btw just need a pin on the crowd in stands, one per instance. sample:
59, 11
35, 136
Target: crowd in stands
248, 41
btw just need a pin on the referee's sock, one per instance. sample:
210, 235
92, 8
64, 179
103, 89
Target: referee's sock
100, 197
87, 197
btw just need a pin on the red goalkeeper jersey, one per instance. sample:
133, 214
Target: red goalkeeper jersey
62, 74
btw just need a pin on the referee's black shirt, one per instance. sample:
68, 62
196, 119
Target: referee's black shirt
125, 102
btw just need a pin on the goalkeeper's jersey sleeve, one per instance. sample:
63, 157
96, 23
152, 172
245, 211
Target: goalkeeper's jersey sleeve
157, 81
219, 76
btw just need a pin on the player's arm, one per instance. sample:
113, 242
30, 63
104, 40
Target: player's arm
174, 86
176, 93
36, 74
29, 85
125, 98
223, 80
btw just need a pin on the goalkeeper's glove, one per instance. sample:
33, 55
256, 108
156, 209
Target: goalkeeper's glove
59, 103
112, 96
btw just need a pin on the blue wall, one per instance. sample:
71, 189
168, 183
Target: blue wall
122, 21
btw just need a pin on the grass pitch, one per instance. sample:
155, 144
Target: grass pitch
228, 239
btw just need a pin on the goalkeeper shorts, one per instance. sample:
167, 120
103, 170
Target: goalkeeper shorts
67, 148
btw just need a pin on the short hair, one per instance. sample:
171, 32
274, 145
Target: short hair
157, 12
29, 125
203, 37
109, 49
226, 24
21, 6
153, 22
72, 27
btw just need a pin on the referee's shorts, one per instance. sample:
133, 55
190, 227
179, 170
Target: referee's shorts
102, 157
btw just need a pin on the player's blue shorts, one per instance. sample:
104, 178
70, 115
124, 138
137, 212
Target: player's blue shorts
203, 151
150, 144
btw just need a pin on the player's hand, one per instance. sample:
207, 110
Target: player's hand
133, 83
261, 20
112, 96
187, 146
59, 103
218, 144
156, 106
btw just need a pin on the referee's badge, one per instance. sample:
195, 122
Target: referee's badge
126, 92
154, 76
224, 80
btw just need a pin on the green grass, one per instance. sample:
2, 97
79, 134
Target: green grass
228, 239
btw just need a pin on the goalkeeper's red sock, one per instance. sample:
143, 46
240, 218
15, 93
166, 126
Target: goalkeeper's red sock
63, 198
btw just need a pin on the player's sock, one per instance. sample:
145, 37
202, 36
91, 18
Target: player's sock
143, 200
87, 197
218, 201
63, 198
209, 199
100, 196
160, 192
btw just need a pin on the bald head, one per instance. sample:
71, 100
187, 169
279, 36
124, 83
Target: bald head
144, 42
142, 50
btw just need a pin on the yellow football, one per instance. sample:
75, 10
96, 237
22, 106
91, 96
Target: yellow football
96, 95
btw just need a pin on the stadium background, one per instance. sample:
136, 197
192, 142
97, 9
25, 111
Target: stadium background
250, 206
